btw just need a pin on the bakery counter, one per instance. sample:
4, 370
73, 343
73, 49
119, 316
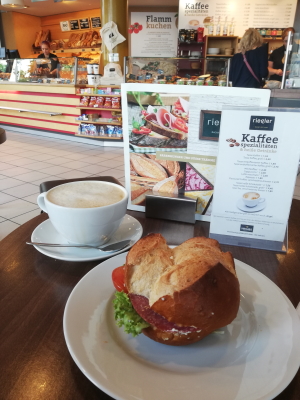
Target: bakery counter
285, 98
40, 106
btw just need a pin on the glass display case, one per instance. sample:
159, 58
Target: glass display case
42, 70
219, 68
179, 70
5, 69
292, 76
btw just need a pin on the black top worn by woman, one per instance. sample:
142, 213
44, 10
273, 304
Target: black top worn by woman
276, 57
53, 58
239, 74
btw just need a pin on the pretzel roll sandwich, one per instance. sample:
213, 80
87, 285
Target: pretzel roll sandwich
176, 296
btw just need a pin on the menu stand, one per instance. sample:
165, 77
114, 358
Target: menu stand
171, 207
280, 247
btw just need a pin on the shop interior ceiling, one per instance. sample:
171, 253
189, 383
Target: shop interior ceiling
48, 7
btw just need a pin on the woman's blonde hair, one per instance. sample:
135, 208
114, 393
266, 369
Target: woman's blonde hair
251, 40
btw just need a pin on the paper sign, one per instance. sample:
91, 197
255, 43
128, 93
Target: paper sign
153, 34
64, 26
255, 178
162, 149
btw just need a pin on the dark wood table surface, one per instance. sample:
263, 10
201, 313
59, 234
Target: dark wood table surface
34, 361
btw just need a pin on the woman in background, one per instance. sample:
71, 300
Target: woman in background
277, 57
250, 66
45, 46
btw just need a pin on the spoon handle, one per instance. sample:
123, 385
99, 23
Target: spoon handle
62, 245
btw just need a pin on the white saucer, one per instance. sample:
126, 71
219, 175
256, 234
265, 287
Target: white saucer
241, 205
130, 228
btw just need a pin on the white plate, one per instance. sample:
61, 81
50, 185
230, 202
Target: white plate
130, 228
260, 206
255, 358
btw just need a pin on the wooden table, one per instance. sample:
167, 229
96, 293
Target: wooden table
34, 361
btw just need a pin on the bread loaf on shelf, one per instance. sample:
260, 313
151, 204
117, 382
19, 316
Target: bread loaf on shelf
38, 37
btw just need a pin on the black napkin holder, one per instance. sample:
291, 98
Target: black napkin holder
171, 207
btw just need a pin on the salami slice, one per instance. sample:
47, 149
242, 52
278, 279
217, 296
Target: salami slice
141, 306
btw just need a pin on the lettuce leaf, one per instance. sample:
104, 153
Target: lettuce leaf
125, 315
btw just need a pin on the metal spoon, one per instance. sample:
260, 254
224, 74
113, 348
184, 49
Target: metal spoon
106, 247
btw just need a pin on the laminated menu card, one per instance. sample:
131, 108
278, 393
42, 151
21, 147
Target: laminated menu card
256, 171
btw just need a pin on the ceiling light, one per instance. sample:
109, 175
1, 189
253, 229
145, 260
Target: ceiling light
13, 3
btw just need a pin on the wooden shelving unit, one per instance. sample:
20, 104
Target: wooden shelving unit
118, 139
221, 42
72, 50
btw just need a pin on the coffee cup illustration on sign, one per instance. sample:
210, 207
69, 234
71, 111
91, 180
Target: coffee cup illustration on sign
252, 199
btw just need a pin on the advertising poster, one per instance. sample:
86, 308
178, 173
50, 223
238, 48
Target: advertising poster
236, 15
256, 172
163, 147
153, 34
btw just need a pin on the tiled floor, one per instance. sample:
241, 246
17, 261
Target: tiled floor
27, 160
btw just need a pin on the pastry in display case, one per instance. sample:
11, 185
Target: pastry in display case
149, 70
166, 71
38, 70
5, 69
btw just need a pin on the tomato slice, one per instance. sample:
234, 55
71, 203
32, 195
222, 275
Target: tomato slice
181, 125
145, 130
136, 131
118, 278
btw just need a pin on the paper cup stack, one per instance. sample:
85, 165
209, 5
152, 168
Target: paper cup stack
93, 74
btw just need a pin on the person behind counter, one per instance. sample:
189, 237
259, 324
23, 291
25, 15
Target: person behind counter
276, 59
45, 46
250, 66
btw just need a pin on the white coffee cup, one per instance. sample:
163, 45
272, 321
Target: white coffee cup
98, 79
252, 199
90, 69
96, 69
92, 79
85, 212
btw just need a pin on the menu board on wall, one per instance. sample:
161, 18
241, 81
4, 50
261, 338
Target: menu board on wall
96, 22
153, 34
241, 14
255, 178
162, 153
84, 23
74, 24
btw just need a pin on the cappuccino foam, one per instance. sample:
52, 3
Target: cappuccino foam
251, 196
85, 195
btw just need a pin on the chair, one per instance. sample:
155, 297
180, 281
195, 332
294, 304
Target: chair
45, 186
2, 135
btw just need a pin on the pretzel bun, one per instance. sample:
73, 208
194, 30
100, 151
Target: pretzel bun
193, 286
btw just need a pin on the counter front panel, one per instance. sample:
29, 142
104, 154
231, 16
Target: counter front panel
40, 106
